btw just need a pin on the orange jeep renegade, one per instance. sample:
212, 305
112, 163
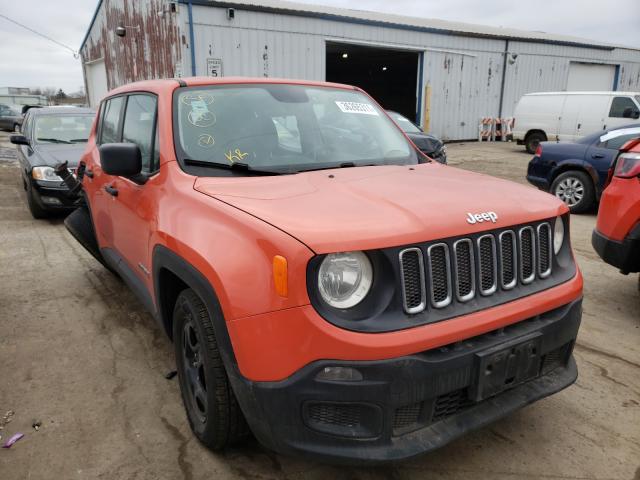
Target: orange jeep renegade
616, 237
326, 286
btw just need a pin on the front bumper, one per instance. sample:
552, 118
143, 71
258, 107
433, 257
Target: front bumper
409, 405
52, 196
624, 255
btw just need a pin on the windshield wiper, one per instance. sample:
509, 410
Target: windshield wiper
78, 140
236, 166
340, 165
52, 140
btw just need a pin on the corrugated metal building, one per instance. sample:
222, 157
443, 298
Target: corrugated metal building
446, 75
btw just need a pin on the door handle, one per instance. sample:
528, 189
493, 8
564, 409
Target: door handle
597, 155
111, 190
579, 125
88, 172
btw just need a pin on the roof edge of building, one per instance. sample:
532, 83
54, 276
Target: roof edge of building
342, 14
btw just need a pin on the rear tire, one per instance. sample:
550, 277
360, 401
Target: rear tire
533, 140
575, 188
212, 409
36, 210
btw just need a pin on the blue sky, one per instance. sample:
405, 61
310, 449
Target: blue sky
27, 60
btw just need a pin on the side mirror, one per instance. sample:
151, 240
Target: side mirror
120, 159
19, 140
630, 112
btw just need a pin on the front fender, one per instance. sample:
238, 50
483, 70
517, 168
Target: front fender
234, 251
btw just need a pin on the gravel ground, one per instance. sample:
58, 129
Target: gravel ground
79, 354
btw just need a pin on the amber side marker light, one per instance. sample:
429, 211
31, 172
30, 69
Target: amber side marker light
280, 275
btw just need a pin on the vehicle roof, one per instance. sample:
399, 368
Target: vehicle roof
61, 111
173, 83
581, 93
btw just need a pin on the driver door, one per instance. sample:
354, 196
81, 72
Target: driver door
134, 207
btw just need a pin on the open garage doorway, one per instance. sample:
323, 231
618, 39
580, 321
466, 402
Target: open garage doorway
389, 76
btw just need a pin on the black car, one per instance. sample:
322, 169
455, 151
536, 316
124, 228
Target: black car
50, 136
428, 144
577, 172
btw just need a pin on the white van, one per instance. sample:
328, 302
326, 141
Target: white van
568, 116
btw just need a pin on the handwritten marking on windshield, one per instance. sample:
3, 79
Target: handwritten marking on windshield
206, 141
235, 156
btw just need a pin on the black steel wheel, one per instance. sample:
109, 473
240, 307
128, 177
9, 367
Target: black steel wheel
212, 409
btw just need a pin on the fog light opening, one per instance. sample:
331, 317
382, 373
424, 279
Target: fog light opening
51, 200
339, 374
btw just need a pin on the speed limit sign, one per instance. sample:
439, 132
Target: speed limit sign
214, 67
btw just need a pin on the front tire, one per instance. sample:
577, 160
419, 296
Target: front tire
533, 140
212, 409
576, 189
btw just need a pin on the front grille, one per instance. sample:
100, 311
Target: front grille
334, 414
464, 268
439, 274
406, 416
544, 250
508, 254
449, 404
555, 358
483, 265
527, 252
413, 289
488, 264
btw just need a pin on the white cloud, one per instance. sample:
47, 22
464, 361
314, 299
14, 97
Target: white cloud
28, 60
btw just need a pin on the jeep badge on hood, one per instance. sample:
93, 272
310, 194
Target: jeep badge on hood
482, 217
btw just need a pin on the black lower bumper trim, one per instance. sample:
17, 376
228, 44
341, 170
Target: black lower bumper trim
407, 406
624, 255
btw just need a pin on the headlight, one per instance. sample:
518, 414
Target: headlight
45, 173
558, 235
345, 278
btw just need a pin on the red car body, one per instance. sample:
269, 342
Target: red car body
223, 235
616, 237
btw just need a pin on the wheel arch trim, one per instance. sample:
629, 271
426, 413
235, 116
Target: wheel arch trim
166, 259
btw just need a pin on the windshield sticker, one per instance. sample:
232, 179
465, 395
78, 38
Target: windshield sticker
190, 98
235, 156
206, 141
355, 107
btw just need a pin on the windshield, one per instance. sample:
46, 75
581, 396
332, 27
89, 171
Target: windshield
286, 128
404, 123
62, 128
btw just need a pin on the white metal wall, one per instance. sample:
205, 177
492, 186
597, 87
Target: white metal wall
464, 73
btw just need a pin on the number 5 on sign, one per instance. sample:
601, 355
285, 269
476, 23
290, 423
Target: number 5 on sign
214, 67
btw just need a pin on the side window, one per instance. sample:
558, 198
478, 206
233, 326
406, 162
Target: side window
111, 120
623, 107
139, 127
26, 125
616, 143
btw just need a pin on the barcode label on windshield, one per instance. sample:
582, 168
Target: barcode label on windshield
355, 107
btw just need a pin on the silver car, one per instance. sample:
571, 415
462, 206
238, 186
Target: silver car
10, 118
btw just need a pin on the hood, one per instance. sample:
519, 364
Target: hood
52, 154
375, 207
